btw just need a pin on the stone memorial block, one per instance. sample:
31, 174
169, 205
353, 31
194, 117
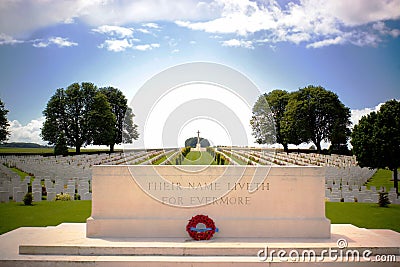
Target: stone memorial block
19, 196
59, 188
375, 197
335, 199
87, 196
51, 195
349, 198
392, 196
327, 192
37, 196
244, 201
15, 190
4, 198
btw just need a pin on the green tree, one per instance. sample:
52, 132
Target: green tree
4, 132
67, 112
125, 131
314, 114
101, 121
129, 132
56, 119
61, 147
192, 142
78, 104
268, 113
376, 139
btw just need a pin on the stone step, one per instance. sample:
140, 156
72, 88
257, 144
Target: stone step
67, 245
199, 249
193, 261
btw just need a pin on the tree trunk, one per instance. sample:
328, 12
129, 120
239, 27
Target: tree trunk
318, 145
396, 185
285, 148
112, 148
78, 149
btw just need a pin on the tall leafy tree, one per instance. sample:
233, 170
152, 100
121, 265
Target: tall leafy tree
61, 147
56, 123
314, 114
268, 113
125, 130
78, 104
376, 139
83, 115
101, 121
4, 132
67, 112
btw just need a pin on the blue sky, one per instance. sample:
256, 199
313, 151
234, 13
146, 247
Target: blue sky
349, 47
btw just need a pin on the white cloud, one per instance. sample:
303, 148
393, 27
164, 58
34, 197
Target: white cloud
240, 17
26, 133
69, 21
116, 45
318, 23
146, 47
62, 42
238, 43
58, 41
326, 42
121, 38
146, 31
384, 30
151, 25
357, 114
175, 51
359, 12
118, 38
41, 14
41, 44
7, 40
121, 32
21, 18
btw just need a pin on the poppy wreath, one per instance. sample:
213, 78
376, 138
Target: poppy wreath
201, 234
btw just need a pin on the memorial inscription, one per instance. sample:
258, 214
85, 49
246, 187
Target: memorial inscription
245, 201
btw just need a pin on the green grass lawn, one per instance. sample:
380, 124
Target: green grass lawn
18, 150
14, 215
20, 173
381, 177
365, 215
236, 159
163, 158
198, 158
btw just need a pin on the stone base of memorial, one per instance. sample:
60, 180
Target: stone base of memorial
198, 148
268, 217
132, 201
67, 245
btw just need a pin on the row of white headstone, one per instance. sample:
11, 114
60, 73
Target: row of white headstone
73, 173
59, 174
16, 188
271, 157
344, 178
359, 195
